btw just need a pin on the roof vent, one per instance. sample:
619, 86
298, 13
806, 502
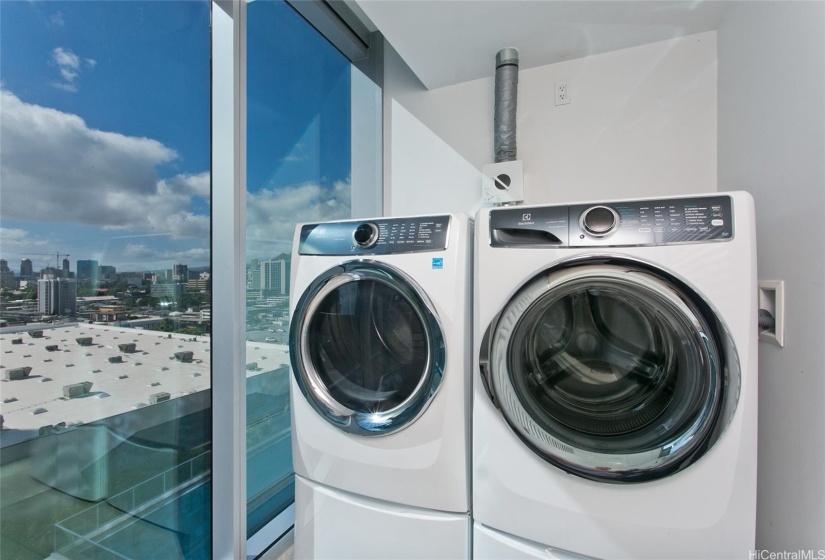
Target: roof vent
115, 359
17, 341
77, 389
84, 340
127, 347
52, 348
17, 373
185, 357
156, 398
51, 428
36, 334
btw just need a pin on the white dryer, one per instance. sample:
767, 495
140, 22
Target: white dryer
381, 387
615, 390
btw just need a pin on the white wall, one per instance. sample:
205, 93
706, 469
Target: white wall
642, 122
772, 143
428, 176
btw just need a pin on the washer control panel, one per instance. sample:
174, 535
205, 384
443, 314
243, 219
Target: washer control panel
379, 236
615, 224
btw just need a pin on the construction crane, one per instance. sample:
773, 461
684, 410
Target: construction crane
57, 257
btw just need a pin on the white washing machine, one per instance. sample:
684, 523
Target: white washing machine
614, 410
381, 387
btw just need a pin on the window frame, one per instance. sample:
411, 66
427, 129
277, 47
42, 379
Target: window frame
228, 46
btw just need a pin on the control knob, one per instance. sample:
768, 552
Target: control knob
366, 235
599, 220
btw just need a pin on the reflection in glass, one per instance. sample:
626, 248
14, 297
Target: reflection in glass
298, 170
106, 367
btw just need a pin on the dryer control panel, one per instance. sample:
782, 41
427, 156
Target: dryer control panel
379, 236
615, 224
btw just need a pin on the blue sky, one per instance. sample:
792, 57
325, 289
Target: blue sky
104, 131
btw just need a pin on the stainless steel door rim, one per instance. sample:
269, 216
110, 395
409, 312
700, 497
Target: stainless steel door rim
395, 328
611, 370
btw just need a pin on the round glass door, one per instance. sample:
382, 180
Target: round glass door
366, 348
612, 372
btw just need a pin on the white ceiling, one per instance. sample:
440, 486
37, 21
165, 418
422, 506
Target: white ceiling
447, 42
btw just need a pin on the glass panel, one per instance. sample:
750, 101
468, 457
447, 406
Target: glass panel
610, 368
106, 405
369, 347
300, 110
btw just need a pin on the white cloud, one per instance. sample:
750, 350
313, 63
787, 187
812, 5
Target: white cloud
65, 87
15, 240
56, 20
54, 168
69, 65
292, 159
195, 185
144, 253
271, 214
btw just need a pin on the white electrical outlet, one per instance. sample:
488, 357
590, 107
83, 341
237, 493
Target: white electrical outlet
562, 93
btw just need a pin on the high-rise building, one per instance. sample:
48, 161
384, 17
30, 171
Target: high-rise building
26, 269
65, 268
7, 279
274, 276
57, 296
108, 273
180, 273
51, 272
253, 275
87, 270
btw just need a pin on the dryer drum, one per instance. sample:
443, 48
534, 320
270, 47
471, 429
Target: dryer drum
367, 348
371, 346
613, 371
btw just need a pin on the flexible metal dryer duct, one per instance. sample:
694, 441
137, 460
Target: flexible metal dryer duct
504, 120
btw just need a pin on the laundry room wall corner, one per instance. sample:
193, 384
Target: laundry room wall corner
642, 122
767, 52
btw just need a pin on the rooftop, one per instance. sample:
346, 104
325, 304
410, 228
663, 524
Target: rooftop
38, 399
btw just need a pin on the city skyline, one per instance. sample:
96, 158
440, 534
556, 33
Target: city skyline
250, 262
106, 137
